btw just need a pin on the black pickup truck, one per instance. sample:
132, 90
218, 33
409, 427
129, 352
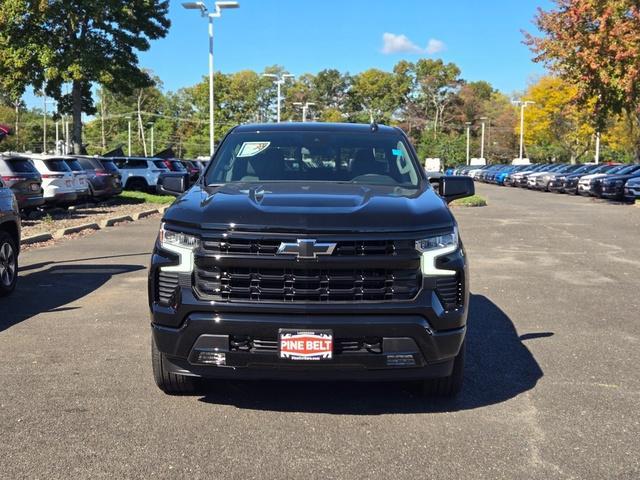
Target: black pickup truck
9, 240
311, 251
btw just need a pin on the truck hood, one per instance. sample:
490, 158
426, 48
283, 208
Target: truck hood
313, 207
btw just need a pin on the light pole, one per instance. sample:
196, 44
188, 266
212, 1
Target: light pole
482, 138
468, 140
597, 155
305, 108
129, 122
152, 139
279, 81
210, 15
44, 121
522, 104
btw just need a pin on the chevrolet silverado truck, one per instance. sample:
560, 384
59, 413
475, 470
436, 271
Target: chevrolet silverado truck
311, 251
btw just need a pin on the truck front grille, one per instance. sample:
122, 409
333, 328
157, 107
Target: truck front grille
269, 246
299, 284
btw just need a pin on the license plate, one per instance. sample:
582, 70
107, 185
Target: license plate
306, 344
35, 187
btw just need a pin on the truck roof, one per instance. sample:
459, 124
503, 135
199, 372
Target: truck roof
315, 127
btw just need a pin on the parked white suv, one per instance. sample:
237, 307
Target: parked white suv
80, 177
57, 179
139, 173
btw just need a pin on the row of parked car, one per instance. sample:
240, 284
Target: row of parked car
29, 181
53, 180
620, 182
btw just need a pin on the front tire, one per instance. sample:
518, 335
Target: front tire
8, 264
447, 386
168, 382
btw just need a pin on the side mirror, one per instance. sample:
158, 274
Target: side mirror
454, 187
172, 185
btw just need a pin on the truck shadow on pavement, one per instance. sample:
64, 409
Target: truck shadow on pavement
55, 287
498, 367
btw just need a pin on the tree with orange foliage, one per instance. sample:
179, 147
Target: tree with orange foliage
594, 44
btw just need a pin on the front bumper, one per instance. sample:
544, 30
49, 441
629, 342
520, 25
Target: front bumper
418, 338
409, 349
556, 186
631, 193
612, 192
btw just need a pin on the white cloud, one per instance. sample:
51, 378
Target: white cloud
392, 43
434, 46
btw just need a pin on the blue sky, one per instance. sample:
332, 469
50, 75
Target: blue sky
482, 37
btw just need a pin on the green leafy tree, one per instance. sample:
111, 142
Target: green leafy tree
438, 84
77, 42
376, 95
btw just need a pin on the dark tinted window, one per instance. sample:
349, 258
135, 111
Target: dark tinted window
135, 164
20, 165
178, 166
75, 165
57, 165
315, 156
87, 163
109, 166
161, 164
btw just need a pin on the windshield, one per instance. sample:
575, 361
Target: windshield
628, 169
314, 157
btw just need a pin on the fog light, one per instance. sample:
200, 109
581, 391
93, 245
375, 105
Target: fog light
212, 358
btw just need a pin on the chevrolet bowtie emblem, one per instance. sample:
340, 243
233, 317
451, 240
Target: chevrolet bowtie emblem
306, 248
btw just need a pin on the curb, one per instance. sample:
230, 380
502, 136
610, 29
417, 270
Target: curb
110, 222
43, 237
78, 228
146, 213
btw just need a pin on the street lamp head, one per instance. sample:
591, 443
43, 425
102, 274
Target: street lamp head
227, 5
194, 6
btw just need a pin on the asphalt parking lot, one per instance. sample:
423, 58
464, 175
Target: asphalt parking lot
552, 385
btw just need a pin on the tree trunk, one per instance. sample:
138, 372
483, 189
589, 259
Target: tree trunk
76, 97
102, 112
140, 125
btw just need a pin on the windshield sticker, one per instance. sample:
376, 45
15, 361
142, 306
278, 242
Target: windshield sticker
250, 149
396, 152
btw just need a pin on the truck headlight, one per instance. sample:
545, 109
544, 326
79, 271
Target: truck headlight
177, 239
437, 242
181, 244
434, 247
